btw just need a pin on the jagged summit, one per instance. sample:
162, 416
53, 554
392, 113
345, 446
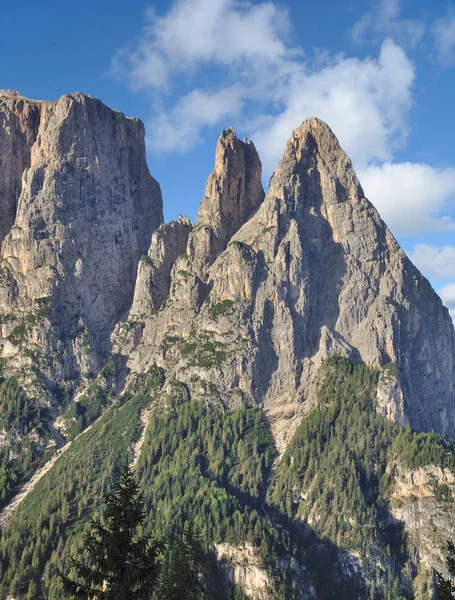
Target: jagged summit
316, 127
16, 95
233, 192
313, 151
309, 271
11, 93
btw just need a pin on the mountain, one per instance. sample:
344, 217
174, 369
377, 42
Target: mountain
314, 271
280, 372
79, 207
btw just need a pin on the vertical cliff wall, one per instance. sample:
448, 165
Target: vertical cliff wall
78, 208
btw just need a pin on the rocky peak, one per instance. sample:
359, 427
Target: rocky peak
347, 285
313, 271
233, 193
81, 207
314, 158
153, 280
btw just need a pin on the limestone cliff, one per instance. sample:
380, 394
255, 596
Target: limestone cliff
312, 272
233, 192
244, 307
153, 280
78, 209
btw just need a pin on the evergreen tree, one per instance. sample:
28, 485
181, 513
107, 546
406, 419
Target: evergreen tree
445, 587
118, 565
182, 569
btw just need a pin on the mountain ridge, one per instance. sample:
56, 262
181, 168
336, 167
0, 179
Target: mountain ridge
364, 320
109, 314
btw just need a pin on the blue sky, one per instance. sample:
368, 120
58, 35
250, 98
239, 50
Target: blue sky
381, 73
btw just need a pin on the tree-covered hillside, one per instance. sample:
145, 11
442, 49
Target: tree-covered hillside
318, 517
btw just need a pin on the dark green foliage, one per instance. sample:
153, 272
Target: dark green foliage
180, 576
327, 501
93, 402
28, 321
49, 525
118, 565
201, 464
445, 587
443, 493
390, 369
201, 349
222, 309
19, 459
188, 348
204, 353
334, 475
419, 449
8, 477
16, 410
197, 462
193, 460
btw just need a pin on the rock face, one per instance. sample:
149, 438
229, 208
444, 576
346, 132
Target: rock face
243, 568
78, 209
312, 272
19, 120
267, 288
414, 502
233, 192
244, 307
153, 280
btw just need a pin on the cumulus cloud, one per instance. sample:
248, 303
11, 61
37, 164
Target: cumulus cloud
208, 63
366, 102
411, 197
179, 128
434, 261
437, 263
443, 32
353, 96
447, 294
203, 32
385, 20
246, 44
237, 49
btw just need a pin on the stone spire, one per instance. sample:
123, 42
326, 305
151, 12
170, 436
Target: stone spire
233, 193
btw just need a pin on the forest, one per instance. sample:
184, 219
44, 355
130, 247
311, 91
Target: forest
306, 513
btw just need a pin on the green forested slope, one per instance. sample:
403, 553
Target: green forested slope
25, 423
324, 504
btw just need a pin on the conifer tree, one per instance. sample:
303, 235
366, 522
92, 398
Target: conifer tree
182, 569
118, 565
445, 587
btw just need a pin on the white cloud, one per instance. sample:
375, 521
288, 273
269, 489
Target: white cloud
246, 45
438, 264
200, 32
384, 20
227, 62
447, 294
434, 261
443, 32
411, 197
179, 128
365, 102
